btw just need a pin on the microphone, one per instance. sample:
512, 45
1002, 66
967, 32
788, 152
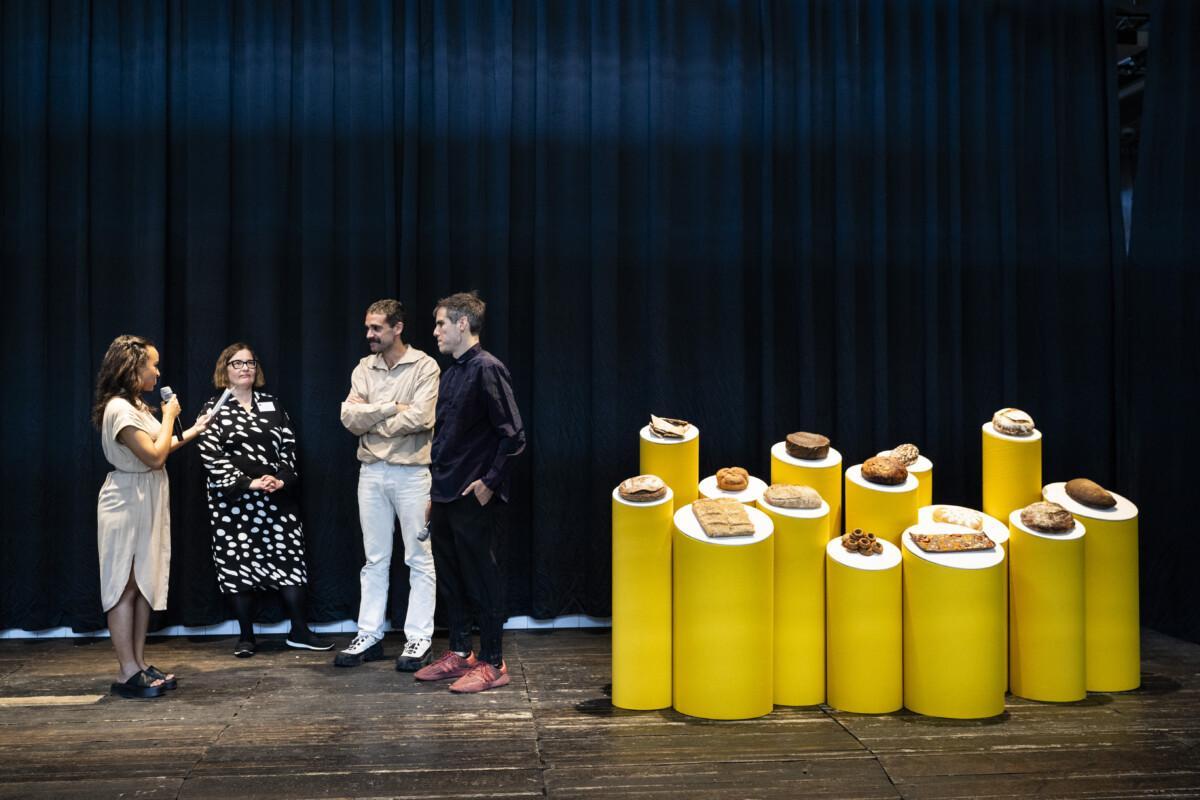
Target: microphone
167, 393
220, 402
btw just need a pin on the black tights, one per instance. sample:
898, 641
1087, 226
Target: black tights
293, 598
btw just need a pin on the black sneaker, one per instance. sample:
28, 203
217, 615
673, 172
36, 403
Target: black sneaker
417, 653
363, 649
244, 648
307, 640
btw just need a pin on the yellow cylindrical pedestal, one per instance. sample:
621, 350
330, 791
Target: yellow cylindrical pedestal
1111, 622
724, 594
864, 669
997, 531
1046, 643
641, 603
748, 496
922, 470
824, 475
800, 538
676, 461
882, 510
1012, 471
955, 630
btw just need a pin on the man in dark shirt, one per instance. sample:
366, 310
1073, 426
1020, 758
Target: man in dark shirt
477, 433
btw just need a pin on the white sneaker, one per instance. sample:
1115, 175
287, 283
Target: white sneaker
364, 648
417, 653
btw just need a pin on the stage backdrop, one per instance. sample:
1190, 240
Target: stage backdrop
875, 220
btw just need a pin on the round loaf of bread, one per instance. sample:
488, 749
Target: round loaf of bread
884, 470
1047, 518
732, 479
808, 446
906, 454
642, 489
1012, 421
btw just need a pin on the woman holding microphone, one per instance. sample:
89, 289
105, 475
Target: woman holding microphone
133, 514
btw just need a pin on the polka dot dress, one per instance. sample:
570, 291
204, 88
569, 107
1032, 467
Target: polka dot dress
258, 540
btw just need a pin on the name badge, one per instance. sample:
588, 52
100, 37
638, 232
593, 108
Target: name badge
266, 405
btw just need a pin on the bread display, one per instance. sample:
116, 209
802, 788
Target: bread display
1089, 493
958, 516
1047, 518
951, 542
906, 454
808, 446
865, 543
642, 489
722, 517
669, 428
1013, 421
786, 495
732, 479
884, 470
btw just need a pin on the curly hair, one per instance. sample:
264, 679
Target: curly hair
221, 377
118, 376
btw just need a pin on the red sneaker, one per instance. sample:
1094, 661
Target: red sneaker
481, 678
450, 665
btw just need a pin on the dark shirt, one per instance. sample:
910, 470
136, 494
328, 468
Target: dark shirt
478, 428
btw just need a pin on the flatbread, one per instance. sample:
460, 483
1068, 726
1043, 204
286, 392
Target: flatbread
722, 517
669, 428
952, 542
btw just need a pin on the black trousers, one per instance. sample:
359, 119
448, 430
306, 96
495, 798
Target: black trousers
470, 585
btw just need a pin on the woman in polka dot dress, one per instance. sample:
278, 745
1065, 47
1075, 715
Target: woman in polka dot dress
249, 453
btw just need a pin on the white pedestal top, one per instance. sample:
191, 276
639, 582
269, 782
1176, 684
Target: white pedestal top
1077, 533
996, 530
689, 526
779, 451
1122, 511
692, 433
922, 464
890, 557
616, 495
967, 559
854, 474
990, 430
754, 489
797, 513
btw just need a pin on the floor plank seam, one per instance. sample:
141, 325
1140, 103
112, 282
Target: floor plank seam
537, 734
216, 739
865, 746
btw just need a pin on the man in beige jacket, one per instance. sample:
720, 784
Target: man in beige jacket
393, 396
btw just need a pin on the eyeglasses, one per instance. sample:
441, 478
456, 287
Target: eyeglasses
239, 364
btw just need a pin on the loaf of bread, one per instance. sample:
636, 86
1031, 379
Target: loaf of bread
642, 489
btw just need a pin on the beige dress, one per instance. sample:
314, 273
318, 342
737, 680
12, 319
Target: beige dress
133, 515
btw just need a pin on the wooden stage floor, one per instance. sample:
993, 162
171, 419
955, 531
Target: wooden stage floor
288, 724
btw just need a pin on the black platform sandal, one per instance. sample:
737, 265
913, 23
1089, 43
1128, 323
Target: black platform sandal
157, 674
138, 686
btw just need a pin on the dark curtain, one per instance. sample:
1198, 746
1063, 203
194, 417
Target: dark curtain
1160, 294
877, 220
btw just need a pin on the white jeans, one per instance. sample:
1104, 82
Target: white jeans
385, 492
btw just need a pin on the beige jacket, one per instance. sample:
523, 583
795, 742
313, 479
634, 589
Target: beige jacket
385, 434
